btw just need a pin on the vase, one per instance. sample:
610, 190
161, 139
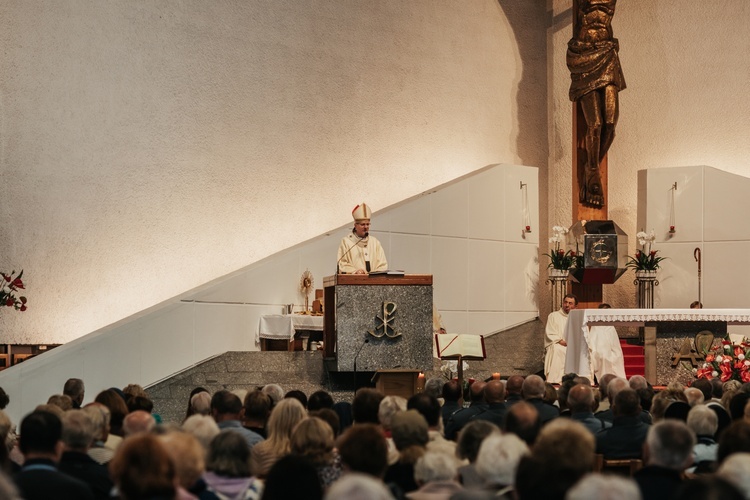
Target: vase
645, 274
558, 273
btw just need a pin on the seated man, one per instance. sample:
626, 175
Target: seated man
555, 346
668, 451
533, 389
626, 436
42, 447
581, 403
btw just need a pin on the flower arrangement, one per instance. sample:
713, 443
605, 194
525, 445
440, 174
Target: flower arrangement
8, 290
645, 259
559, 258
449, 369
726, 361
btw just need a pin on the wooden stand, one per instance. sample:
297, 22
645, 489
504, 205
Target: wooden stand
397, 382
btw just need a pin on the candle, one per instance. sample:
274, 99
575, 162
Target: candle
495, 376
420, 382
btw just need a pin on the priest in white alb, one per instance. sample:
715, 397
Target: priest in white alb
555, 346
360, 253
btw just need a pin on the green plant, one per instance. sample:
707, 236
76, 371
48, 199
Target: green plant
559, 258
645, 259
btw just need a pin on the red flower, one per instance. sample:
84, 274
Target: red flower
705, 373
7, 278
22, 308
653, 252
726, 372
726, 342
710, 358
9, 302
17, 283
739, 365
745, 376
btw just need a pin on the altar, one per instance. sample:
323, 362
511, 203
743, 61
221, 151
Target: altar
285, 326
667, 335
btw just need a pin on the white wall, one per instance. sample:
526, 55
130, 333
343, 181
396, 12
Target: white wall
467, 233
710, 210
686, 67
148, 148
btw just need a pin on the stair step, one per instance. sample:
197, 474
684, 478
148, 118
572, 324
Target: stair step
634, 358
633, 351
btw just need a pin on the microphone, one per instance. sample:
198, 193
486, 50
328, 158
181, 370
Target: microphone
367, 341
349, 250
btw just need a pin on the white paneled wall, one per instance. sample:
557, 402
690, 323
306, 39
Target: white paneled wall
710, 211
467, 234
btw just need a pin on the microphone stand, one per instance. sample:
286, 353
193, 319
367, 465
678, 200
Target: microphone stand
349, 250
367, 341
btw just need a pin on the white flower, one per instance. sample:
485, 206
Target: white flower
740, 356
705, 365
727, 347
714, 373
695, 370
747, 363
719, 358
727, 360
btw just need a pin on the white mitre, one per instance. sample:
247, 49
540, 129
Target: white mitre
361, 212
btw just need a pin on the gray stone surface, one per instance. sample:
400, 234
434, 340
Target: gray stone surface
357, 307
518, 350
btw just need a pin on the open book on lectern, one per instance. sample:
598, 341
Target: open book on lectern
466, 346
387, 272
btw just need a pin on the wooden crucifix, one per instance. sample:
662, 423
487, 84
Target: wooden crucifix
596, 80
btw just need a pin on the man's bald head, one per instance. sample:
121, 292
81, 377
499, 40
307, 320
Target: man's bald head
523, 420
137, 421
533, 387
514, 384
477, 390
494, 391
581, 399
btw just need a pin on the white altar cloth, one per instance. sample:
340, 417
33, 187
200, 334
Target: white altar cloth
278, 326
578, 357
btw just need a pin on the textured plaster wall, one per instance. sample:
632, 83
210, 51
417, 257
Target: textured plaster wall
148, 148
686, 67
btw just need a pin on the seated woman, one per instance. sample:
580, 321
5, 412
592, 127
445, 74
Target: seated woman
284, 418
313, 439
228, 468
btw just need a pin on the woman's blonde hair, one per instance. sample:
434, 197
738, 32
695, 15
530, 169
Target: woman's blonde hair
284, 418
313, 438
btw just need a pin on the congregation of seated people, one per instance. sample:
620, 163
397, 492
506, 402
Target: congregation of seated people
520, 438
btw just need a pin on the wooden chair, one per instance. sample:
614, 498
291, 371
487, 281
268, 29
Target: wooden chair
622, 466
